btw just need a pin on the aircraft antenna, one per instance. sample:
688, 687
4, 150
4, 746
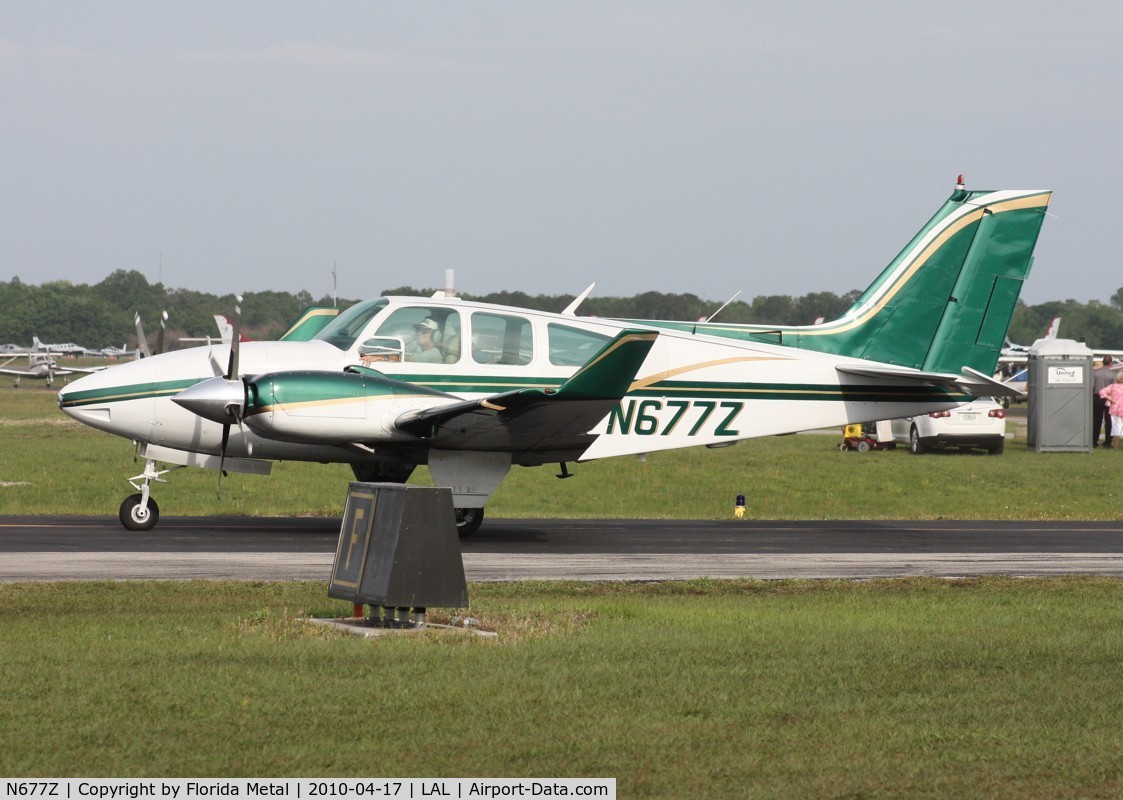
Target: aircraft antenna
722, 307
571, 309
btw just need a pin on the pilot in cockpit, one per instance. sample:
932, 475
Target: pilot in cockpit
426, 348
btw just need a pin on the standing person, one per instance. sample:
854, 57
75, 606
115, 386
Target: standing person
1114, 396
1102, 377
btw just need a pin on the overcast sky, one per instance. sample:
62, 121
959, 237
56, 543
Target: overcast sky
706, 147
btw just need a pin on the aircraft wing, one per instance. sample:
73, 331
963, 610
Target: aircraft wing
538, 419
969, 381
23, 373
82, 370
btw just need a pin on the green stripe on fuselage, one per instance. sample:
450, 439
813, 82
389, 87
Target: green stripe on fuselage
298, 388
118, 394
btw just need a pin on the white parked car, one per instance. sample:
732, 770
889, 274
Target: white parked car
981, 423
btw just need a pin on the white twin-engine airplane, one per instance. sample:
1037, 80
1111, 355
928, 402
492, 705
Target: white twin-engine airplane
40, 366
471, 389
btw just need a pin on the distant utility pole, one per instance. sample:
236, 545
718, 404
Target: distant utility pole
334, 297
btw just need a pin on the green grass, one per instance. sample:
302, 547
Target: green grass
918, 688
50, 463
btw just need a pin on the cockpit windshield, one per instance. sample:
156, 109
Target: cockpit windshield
346, 328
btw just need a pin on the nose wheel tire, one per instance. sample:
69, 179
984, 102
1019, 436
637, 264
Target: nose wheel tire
468, 521
136, 520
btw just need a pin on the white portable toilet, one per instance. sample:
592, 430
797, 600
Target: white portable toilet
1060, 396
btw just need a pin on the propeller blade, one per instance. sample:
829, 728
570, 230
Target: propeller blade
222, 461
160, 334
141, 342
226, 405
235, 339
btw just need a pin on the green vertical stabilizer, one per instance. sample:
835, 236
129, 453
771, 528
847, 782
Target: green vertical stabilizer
945, 302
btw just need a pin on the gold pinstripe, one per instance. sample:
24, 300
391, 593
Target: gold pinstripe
337, 401
643, 383
632, 337
1013, 204
319, 312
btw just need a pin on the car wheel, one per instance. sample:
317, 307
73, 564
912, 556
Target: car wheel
996, 449
915, 444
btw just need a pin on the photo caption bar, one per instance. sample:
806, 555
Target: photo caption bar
304, 788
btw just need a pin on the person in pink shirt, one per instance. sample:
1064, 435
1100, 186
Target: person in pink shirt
1113, 394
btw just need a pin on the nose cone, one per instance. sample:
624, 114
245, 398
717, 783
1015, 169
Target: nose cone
217, 399
66, 394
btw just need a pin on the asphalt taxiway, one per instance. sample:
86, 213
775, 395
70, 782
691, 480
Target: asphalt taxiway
54, 548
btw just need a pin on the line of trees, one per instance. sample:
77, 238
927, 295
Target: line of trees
100, 315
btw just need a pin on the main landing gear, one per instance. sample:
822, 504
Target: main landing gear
139, 512
468, 521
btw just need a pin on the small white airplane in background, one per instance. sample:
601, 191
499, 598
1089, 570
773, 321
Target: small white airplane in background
472, 389
118, 352
1017, 353
63, 349
1012, 363
41, 366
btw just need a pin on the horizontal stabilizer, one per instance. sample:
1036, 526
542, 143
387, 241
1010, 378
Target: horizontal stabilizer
982, 385
969, 382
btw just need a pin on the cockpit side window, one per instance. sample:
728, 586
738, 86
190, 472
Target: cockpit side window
501, 339
431, 335
346, 328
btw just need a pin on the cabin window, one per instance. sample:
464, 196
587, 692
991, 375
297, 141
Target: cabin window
345, 329
430, 335
501, 339
572, 347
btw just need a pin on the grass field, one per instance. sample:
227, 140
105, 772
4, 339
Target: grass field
911, 688
908, 688
50, 463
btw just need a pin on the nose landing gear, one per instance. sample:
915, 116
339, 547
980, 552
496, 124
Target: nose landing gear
139, 512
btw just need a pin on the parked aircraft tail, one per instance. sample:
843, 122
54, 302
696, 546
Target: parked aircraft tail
1053, 329
945, 302
225, 328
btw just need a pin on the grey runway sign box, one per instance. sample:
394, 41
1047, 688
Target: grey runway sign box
1060, 396
398, 548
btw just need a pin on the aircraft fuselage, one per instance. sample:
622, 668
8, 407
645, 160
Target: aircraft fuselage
691, 389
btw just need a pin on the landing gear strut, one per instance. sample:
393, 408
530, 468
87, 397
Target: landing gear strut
139, 512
